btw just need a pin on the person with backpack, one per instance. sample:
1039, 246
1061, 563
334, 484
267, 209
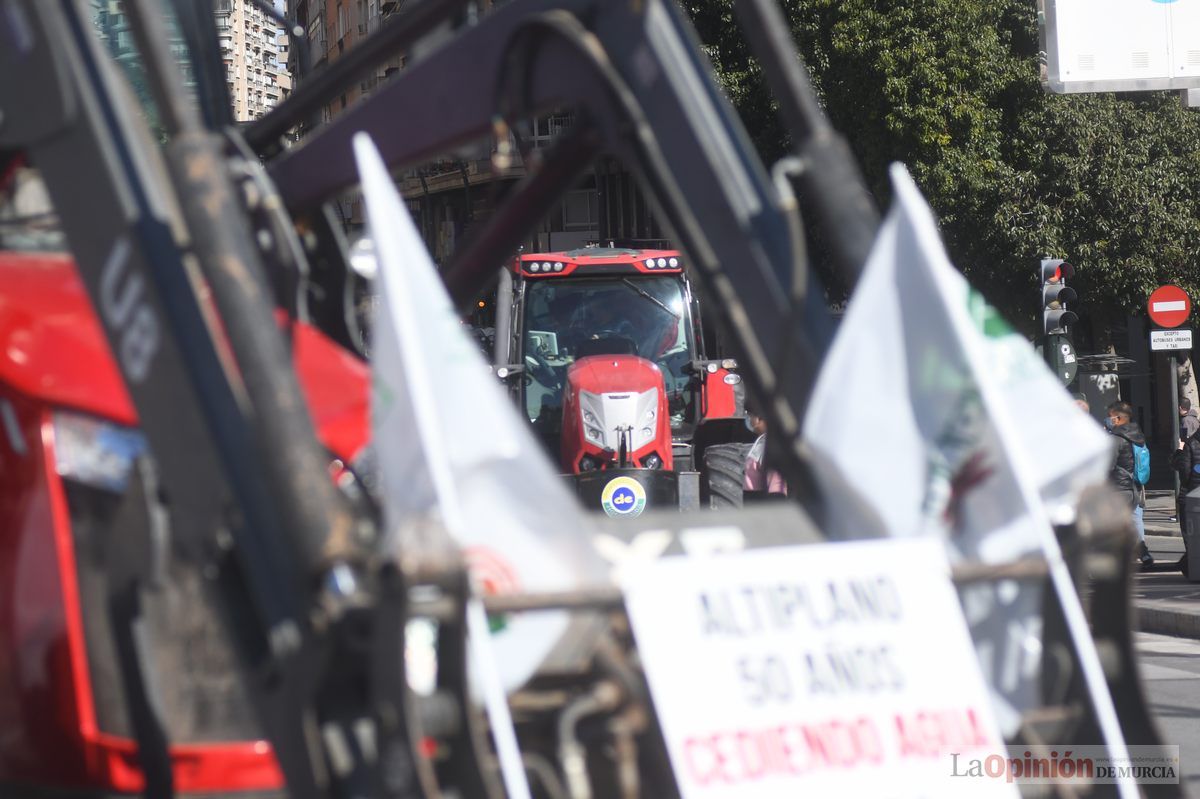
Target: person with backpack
1131, 469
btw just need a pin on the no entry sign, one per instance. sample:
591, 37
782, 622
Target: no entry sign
1169, 306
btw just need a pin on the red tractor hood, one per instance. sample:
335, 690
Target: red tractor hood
627, 392
52, 348
606, 374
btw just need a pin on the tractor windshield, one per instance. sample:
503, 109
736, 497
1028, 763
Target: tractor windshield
644, 314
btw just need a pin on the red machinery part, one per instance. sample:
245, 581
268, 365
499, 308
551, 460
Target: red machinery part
720, 396
613, 375
561, 264
54, 359
52, 347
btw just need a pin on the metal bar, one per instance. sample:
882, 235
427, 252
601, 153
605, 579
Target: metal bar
833, 191
397, 33
1023, 569
409, 118
293, 523
470, 751
149, 29
476, 263
769, 35
637, 71
598, 598
603, 598
197, 24
103, 175
1173, 367
502, 331
303, 501
103, 181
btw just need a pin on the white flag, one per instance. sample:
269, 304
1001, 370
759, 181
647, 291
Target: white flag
950, 425
452, 447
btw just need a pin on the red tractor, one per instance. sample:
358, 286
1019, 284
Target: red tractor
606, 352
78, 496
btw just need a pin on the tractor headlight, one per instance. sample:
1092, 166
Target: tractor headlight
95, 452
653, 461
591, 412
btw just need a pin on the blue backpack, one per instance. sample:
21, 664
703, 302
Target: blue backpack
1141, 463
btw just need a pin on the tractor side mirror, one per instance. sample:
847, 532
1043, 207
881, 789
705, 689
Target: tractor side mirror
699, 367
508, 371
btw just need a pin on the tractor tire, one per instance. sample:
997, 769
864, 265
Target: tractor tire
722, 476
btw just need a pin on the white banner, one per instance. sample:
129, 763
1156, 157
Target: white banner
949, 424
823, 670
452, 448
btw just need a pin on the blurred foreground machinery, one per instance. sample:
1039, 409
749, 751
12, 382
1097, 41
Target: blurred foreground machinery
195, 244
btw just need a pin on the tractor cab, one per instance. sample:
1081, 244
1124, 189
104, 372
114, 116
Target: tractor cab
608, 346
600, 303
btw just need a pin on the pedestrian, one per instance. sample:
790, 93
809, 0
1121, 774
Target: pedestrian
1189, 422
757, 476
1186, 460
1123, 475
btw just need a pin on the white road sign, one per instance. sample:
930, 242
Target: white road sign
839, 669
1170, 339
1117, 45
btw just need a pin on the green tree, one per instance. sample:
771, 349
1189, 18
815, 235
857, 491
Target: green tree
951, 88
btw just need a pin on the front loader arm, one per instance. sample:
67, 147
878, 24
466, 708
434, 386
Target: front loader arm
257, 516
635, 74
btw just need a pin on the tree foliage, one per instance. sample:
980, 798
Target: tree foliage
951, 88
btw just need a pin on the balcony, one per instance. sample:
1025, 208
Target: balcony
448, 175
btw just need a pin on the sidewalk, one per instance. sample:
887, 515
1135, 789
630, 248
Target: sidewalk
1166, 602
1159, 515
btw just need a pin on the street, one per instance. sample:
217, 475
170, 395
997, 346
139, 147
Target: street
579, 398
1170, 670
1170, 665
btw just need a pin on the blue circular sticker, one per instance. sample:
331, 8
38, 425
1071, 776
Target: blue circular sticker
623, 496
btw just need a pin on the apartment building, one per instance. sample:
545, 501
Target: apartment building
256, 78
334, 27
283, 47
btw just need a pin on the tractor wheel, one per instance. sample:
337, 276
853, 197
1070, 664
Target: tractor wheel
724, 471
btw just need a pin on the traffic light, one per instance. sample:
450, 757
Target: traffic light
1056, 295
1057, 348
